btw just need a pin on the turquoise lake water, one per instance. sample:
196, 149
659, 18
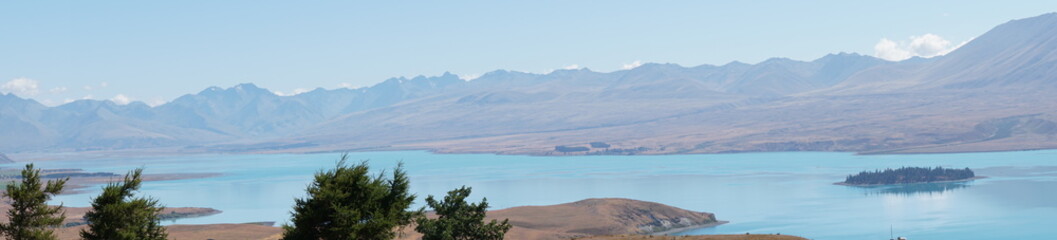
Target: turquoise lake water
788, 193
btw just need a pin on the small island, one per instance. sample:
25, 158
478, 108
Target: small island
909, 175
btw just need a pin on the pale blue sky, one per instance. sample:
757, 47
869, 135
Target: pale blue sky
157, 50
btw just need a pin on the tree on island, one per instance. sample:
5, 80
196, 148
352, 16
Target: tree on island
116, 215
909, 175
30, 217
348, 203
459, 220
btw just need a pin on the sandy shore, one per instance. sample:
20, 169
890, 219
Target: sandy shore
78, 185
688, 228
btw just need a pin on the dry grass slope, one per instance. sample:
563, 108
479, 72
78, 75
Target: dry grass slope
613, 217
592, 217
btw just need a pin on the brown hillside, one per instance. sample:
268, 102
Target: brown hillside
591, 217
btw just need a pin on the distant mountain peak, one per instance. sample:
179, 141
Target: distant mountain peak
576, 70
841, 55
249, 88
777, 59
657, 66
503, 73
10, 98
1044, 18
919, 59
736, 63
243, 89
246, 86
844, 57
211, 89
87, 104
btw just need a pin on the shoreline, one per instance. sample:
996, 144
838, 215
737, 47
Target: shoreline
30, 157
877, 185
688, 228
77, 185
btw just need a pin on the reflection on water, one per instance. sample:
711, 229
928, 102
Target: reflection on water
1019, 171
914, 189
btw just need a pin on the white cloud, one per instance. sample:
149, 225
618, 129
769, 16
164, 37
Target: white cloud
569, 67
468, 77
291, 93
928, 45
21, 86
103, 84
70, 100
632, 65
57, 90
157, 101
87, 87
121, 99
890, 50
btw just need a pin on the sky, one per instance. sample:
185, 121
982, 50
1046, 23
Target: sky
154, 51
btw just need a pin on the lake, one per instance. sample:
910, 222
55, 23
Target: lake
788, 193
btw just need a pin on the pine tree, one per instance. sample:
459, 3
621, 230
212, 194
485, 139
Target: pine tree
30, 217
347, 203
116, 215
459, 220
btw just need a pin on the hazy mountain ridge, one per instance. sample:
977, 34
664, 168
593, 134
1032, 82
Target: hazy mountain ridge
1017, 54
211, 116
987, 95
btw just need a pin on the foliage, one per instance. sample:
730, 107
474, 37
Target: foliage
347, 203
30, 217
600, 145
909, 175
116, 215
565, 149
459, 220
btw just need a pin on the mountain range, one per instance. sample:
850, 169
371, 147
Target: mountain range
997, 92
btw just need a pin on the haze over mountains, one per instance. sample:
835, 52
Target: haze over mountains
994, 93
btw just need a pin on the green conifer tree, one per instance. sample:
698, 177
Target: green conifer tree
30, 217
116, 215
459, 220
347, 203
